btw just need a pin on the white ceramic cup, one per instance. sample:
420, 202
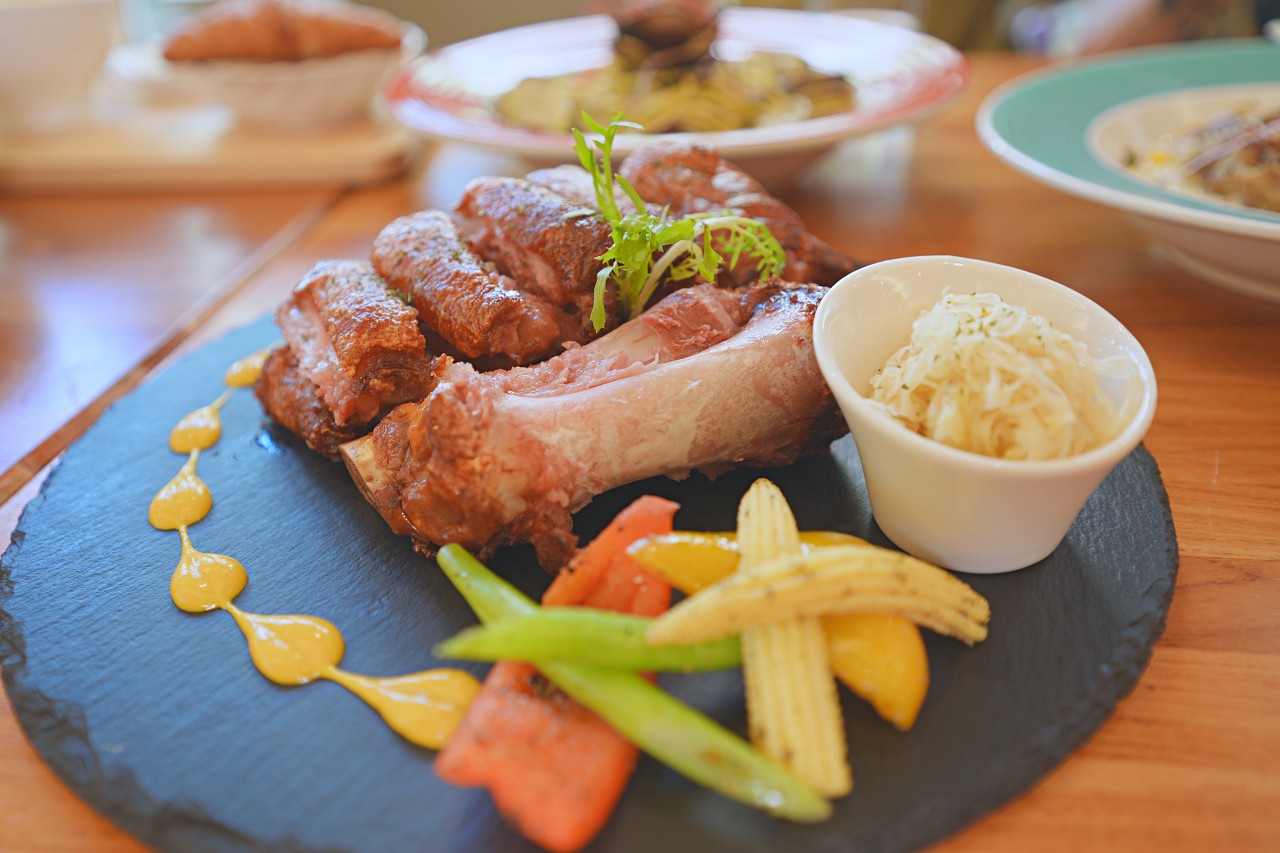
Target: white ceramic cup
51, 53
954, 508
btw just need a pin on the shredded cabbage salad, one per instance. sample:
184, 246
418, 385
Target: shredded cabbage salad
992, 378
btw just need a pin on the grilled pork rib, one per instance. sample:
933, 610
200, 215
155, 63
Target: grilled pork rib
506, 457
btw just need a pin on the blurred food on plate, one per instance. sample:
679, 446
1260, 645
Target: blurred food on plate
667, 77
1234, 155
281, 31
664, 33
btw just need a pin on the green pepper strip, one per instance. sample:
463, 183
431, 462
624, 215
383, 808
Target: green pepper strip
586, 635
670, 731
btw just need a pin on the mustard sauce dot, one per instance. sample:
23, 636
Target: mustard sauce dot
204, 582
424, 708
292, 648
245, 372
182, 501
199, 429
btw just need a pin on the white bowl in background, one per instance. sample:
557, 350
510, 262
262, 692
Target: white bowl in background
962, 510
312, 94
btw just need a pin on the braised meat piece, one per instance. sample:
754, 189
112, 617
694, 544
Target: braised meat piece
462, 297
506, 457
542, 240
664, 33
357, 342
378, 462
294, 402
695, 179
571, 182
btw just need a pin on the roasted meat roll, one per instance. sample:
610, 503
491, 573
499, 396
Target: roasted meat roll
544, 241
695, 179
356, 341
294, 402
465, 299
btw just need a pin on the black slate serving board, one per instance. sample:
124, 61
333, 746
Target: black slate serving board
158, 719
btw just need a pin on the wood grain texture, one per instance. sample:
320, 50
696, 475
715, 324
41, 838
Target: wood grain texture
98, 289
1189, 760
194, 151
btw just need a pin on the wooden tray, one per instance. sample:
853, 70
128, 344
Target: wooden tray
199, 147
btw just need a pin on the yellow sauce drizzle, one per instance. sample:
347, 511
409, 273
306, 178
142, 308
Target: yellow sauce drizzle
199, 429
182, 501
245, 371
290, 649
423, 707
204, 582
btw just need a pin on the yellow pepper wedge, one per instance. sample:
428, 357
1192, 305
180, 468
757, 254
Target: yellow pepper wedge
693, 561
881, 658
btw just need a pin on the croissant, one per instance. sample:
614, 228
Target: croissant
281, 31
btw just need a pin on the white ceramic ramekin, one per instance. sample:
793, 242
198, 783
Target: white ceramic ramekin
951, 507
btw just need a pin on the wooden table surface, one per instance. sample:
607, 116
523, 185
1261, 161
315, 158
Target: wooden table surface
98, 291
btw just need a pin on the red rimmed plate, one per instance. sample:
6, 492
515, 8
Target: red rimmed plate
901, 75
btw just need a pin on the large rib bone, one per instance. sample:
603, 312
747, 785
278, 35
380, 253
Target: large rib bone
506, 457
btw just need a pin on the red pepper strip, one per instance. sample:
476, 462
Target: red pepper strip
603, 576
555, 769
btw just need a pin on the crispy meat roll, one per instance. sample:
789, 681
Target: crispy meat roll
294, 402
356, 341
572, 182
540, 239
463, 298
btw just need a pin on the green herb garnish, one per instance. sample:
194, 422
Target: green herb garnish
682, 247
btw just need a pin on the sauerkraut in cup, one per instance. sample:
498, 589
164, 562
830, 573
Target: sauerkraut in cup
988, 377
1047, 389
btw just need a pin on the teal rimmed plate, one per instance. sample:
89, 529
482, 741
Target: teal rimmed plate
1070, 126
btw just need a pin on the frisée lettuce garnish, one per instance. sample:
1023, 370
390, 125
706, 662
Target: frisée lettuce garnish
648, 246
